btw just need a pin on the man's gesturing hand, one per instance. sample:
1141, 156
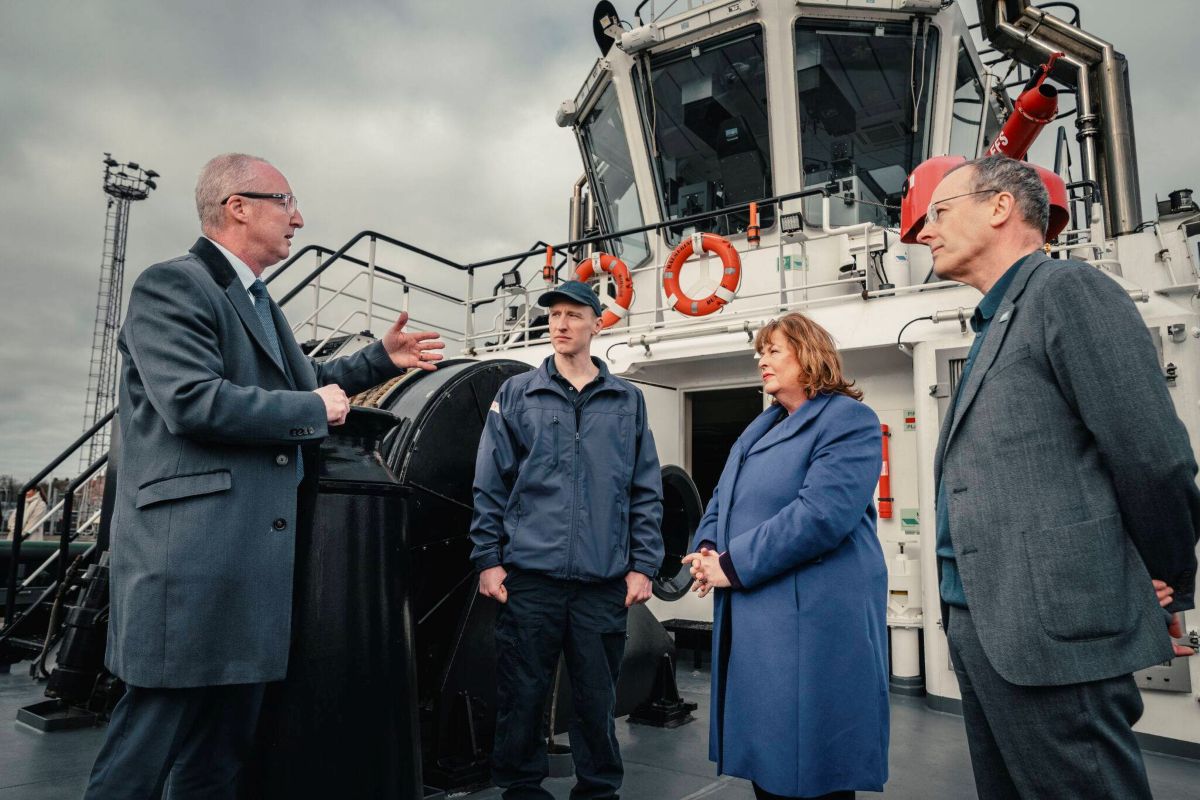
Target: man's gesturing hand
409, 350
637, 589
491, 583
337, 405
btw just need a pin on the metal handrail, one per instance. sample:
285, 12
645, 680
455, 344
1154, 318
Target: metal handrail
698, 327
51, 513
64, 542
341, 253
54, 556
10, 602
40, 521
824, 190
311, 320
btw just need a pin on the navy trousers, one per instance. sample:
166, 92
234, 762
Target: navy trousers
1046, 742
542, 619
192, 742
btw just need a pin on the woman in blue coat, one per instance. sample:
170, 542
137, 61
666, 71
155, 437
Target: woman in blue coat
799, 668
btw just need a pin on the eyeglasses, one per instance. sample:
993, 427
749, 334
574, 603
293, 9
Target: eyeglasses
931, 216
290, 203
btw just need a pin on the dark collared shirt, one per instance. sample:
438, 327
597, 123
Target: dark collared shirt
951, 588
578, 397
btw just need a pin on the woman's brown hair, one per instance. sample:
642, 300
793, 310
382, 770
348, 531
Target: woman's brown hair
820, 364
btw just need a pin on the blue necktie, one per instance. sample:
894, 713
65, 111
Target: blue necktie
262, 307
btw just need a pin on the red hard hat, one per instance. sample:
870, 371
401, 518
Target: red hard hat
918, 192
1060, 207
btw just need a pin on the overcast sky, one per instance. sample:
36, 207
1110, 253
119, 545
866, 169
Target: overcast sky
432, 121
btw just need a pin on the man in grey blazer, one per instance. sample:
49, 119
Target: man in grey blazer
220, 416
1065, 484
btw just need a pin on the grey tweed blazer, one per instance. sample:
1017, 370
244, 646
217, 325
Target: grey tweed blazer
1070, 482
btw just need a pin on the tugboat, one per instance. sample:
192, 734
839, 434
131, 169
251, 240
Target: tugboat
741, 160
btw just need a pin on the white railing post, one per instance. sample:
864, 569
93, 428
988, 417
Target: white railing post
468, 327
316, 297
371, 285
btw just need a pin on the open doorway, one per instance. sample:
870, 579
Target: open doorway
716, 417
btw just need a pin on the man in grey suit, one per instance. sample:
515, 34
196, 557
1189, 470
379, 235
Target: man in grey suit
1065, 483
220, 416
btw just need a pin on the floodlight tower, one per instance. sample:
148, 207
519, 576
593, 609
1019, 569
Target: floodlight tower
123, 183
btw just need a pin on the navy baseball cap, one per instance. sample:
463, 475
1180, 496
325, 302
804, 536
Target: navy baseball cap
572, 292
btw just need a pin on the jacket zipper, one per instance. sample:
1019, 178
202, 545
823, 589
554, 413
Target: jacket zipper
555, 423
574, 489
571, 533
574, 501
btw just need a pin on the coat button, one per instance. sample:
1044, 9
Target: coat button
281, 460
279, 524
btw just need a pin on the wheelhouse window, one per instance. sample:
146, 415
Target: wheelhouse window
864, 91
969, 100
705, 113
610, 167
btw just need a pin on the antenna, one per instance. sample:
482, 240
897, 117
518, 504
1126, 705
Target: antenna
123, 183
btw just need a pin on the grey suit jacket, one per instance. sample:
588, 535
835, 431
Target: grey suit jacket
1070, 482
205, 513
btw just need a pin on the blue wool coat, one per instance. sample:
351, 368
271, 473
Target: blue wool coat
799, 676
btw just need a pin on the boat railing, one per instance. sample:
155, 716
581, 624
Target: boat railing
362, 287
523, 333
68, 532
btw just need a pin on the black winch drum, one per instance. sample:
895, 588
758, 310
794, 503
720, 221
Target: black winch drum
391, 680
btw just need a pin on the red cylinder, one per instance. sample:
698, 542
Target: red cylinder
1034, 109
885, 480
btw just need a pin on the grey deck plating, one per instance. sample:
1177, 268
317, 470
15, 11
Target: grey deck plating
929, 758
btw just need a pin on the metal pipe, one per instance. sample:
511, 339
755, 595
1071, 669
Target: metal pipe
1085, 123
1094, 60
1120, 152
592, 213
575, 218
981, 134
850, 230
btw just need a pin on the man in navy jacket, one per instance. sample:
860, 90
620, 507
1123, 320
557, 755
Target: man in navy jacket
568, 506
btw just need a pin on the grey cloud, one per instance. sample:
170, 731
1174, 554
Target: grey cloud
430, 121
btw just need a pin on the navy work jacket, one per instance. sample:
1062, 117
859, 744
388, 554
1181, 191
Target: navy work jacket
571, 493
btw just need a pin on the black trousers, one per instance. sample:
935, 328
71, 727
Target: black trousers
762, 794
193, 741
543, 618
1046, 742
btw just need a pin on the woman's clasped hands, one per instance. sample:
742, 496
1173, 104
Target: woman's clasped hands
705, 567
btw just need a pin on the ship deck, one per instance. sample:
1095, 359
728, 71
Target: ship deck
929, 759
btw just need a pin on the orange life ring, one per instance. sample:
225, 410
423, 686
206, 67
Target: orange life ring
730, 278
586, 270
